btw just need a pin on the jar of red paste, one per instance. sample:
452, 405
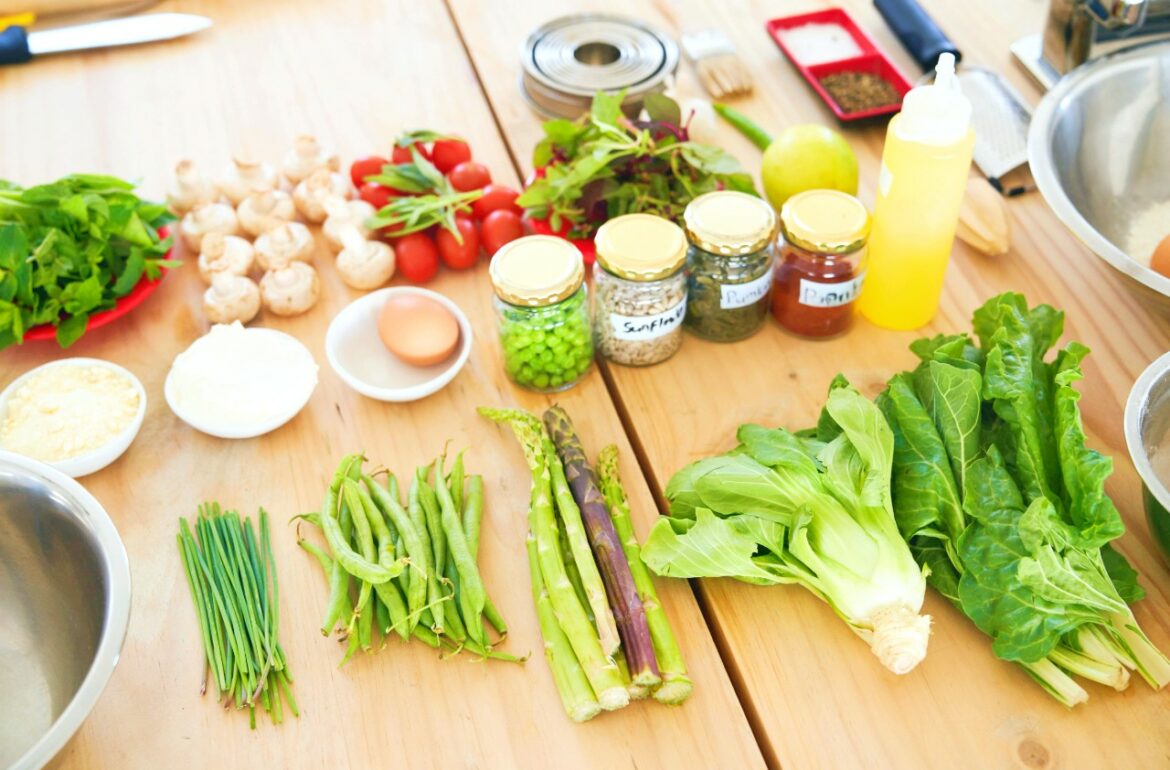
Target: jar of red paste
821, 263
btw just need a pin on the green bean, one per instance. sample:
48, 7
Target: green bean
339, 604
396, 607
456, 625
434, 595
365, 542
324, 559
365, 628
387, 502
353, 562
472, 595
382, 616
472, 519
430, 505
455, 482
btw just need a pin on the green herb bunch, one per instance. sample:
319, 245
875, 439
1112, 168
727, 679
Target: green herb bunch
70, 249
605, 165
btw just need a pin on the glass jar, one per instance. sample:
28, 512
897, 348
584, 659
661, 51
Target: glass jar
729, 264
542, 312
639, 289
821, 264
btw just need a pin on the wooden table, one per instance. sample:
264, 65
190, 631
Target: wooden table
779, 680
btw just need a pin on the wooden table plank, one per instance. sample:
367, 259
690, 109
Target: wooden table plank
356, 75
816, 696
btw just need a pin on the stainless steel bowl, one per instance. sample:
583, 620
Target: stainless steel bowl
64, 607
1147, 435
1099, 149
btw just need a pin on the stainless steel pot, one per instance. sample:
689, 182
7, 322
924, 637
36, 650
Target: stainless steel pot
64, 608
1147, 423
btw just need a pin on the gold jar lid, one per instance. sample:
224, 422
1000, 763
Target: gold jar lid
641, 247
536, 270
730, 223
825, 222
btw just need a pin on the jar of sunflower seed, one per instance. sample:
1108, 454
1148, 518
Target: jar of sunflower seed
639, 289
729, 267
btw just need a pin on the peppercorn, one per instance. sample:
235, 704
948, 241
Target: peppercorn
859, 91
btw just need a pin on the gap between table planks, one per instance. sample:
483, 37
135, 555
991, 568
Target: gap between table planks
355, 76
814, 694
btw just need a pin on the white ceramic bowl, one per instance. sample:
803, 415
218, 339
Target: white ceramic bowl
241, 430
356, 353
92, 461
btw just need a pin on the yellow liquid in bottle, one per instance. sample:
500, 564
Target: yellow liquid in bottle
919, 193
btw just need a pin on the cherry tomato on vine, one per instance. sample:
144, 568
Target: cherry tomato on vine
376, 195
495, 197
469, 175
499, 227
417, 257
455, 255
402, 154
449, 153
363, 167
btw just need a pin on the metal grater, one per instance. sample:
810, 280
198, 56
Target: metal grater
1000, 119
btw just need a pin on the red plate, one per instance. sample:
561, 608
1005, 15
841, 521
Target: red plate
143, 289
871, 60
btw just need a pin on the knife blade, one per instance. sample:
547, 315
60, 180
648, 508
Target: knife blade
18, 45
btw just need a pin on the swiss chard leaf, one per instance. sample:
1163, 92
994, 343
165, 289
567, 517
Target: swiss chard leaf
707, 547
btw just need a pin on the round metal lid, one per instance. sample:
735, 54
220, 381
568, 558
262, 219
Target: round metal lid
536, 270
567, 60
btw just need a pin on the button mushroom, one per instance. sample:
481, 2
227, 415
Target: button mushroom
231, 298
224, 254
190, 188
364, 264
290, 242
260, 212
207, 218
291, 289
344, 214
246, 177
307, 156
315, 190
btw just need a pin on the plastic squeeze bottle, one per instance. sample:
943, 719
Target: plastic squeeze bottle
925, 164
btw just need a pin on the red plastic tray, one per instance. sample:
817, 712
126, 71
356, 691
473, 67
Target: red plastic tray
872, 60
143, 289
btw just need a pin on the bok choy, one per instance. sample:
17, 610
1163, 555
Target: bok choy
812, 509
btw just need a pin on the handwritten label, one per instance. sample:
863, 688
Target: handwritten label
735, 295
640, 328
816, 294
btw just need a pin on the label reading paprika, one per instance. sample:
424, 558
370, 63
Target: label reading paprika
817, 294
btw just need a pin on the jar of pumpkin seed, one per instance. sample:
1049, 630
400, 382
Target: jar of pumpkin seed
639, 289
729, 264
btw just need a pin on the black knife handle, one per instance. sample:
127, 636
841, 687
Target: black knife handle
917, 31
14, 46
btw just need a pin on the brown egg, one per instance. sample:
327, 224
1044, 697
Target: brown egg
1160, 261
418, 330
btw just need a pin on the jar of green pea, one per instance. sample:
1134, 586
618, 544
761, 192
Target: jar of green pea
542, 312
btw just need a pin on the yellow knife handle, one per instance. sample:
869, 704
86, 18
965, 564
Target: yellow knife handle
18, 20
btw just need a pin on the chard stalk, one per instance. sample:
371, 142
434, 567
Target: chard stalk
1149, 661
1057, 683
1106, 670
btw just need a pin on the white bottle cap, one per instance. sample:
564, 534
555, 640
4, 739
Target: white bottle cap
937, 114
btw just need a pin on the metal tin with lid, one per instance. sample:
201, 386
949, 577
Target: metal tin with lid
729, 264
567, 60
542, 312
825, 222
639, 288
730, 223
